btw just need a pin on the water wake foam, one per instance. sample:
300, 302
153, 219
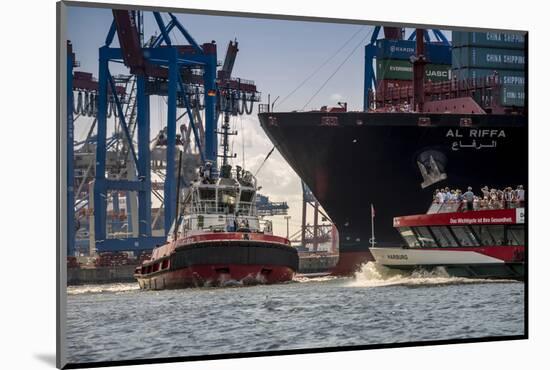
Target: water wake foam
102, 288
313, 278
375, 275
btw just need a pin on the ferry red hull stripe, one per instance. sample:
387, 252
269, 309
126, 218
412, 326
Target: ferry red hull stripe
486, 217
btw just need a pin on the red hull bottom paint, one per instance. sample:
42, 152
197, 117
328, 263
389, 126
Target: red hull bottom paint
216, 275
351, 262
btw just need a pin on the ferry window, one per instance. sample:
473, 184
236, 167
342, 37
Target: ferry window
516, 235
483, 235
465, 236
409, 236
246, 196
444, 236
497, 232
425, 237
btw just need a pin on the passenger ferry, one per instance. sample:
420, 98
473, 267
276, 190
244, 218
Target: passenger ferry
481, 243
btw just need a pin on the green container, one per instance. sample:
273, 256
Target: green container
495, 39
392, 69
471, 57
506, 77
512, 96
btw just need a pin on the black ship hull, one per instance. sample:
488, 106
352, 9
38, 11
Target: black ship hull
394, 161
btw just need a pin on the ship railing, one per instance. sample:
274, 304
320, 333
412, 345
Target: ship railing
478, 205
243, 208
446, 207
484, 204
234, 223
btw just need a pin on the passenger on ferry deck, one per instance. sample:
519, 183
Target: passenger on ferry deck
508, 197
459, 196
520, 195
500, 196
454, 196
435, 197
440, 197
469, 197
447, 194
496, 199
485, 192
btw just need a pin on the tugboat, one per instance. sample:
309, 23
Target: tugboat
219, 239
479, 243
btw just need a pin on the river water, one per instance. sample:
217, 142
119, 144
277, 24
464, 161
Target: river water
119, 321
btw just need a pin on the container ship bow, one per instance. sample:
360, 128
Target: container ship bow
455, 133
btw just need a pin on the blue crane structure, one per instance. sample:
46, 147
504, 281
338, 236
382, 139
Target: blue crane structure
371, 50
188, 76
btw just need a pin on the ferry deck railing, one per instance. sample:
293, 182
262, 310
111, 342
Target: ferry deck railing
478, 205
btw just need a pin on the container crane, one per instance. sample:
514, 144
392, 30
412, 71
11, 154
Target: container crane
188, 76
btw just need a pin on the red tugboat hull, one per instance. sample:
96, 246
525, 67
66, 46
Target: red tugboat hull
219, 259
217, 275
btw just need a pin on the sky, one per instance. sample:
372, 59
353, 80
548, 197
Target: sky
277, 54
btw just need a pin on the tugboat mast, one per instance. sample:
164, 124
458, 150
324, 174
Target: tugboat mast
226, 168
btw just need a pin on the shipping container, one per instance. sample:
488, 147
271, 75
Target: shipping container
389, 69
82, 75
470, 57
512, 96
501, 40
383, 85
506, 77
436, 53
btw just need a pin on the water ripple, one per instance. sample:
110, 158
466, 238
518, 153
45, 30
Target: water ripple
118, 321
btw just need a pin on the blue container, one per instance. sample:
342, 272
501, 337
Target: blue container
493, 39
404, 49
